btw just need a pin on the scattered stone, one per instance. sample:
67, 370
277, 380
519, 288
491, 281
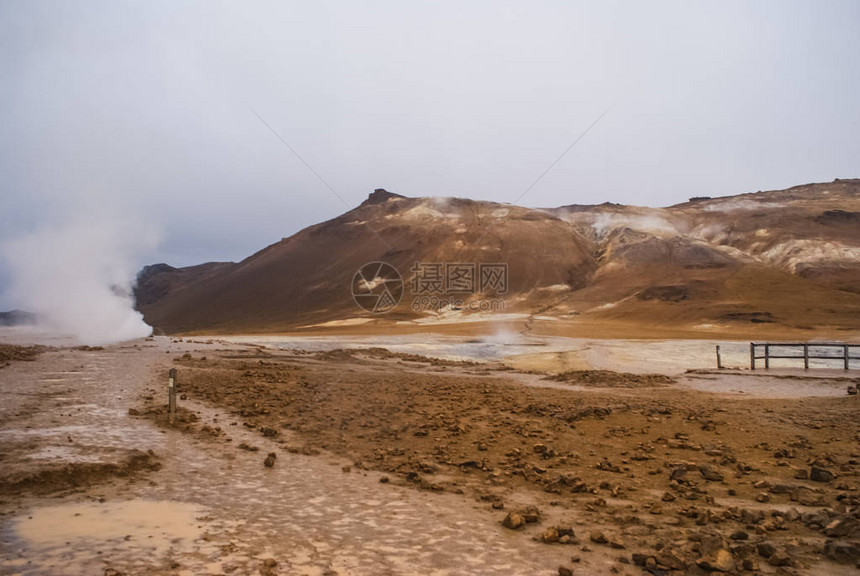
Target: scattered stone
819, 474
346, 469
598, 537
739, 535
842, 552
564, 571
513, 521
384, 480
710, 474
721, 561
671, 559
780, 558
269, 567
531, 514
549, 536
765, 549
843, 526
270, 460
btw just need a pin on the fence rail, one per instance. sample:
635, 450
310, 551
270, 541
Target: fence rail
805, 351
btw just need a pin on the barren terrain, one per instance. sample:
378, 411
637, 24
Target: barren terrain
395, 463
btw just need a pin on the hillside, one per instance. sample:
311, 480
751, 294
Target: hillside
785, 260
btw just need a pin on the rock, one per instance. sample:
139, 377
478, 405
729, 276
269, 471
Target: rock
346, 469
671, 559
721, 561
270, 460
843, 526
563, 571
531, 514
783, 488
762, 497
765, 549
780, 558
384, 480
801, 474
852, 390
549, 536
679, 474
710, 474
739, 535
842, 552
598, 537
269, 567
113, 572
752, 516
808, 497
513, 521
819, 474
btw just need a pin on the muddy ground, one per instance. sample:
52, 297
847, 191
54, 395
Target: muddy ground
386, 463
667, 478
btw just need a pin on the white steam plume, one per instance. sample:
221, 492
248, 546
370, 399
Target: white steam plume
77, 276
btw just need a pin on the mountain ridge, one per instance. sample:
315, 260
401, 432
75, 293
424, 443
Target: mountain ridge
708, 263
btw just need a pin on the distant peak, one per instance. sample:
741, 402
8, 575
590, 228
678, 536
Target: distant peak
381, 195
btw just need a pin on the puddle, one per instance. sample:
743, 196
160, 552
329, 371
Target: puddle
83, 538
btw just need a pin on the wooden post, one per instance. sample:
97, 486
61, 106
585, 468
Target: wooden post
806, 356
171, 396
752, 356
845, 355
719, 360
767, 356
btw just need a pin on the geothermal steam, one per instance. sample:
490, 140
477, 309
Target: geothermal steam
77, 277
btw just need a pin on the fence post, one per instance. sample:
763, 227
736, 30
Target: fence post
767, 356
752, 356
171, 396
845, 355
806, 356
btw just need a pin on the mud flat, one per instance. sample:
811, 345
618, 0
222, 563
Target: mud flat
395, 463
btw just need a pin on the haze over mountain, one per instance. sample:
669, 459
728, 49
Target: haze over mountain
786, 260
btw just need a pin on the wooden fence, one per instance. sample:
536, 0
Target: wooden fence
806, 351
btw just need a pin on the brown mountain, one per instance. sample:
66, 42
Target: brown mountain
784, 260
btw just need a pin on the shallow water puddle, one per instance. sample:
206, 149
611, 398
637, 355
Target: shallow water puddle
68, 538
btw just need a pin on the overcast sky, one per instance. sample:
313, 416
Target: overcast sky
148, 108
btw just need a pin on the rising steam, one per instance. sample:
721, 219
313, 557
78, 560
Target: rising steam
77, 276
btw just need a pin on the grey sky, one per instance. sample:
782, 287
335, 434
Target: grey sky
147, 107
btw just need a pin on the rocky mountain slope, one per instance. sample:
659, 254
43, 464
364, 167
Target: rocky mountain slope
787, 259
